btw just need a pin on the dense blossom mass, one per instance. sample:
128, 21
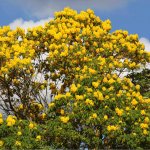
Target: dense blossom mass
64, 85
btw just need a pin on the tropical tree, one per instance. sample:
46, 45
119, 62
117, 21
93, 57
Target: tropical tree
75, 62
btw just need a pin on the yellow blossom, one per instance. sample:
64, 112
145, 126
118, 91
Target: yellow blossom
119, 111
89, 102
38, 138
144, 125
43, 115
94, 115
79, 97
110, 66
146, 120
64, 119
137, 87
11, 120
68, 94
105, 80
58, 96
103, 88
89, 90
31, 125
78, 85
1, 143
1, 115
1, 121
112, 128
111, 81
73, 88
19, 133
95, 84
134, 102
107, 97
20, 106
127, 108
98, 95
143, 112
62, 111
51, 104
92, 71
105, 117
145, 132
18, 143
40, 106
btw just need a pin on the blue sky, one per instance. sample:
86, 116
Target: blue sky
131, 15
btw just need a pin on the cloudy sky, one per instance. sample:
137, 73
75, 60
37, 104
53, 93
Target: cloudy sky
131, 15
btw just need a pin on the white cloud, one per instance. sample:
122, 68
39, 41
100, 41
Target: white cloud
46, 8
27, 24
146, 42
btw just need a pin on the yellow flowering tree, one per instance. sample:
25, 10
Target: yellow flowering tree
75, 62
96, 107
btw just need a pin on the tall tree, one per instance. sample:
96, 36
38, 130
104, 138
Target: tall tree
75, 62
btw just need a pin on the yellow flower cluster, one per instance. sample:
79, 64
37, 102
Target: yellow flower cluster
59, 96
79, 97
146, 120
1, 143
94, 115
105, 117
51, 104
145, 132
18, 143
98, 95
119, 111
112, 128
92, 71
134, 102
32, 125
95, 84
19, 133
143, 112
64, 119
1, 119
137, 87
144, 125
20, 106
89, 102
15, 55
11, 120
62, 112
68, 94
38, 138
73, 88
43, 116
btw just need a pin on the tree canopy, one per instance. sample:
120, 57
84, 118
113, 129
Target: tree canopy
63, 85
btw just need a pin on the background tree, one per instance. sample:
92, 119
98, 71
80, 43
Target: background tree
143, 79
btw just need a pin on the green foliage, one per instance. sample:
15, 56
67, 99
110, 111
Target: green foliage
143, 79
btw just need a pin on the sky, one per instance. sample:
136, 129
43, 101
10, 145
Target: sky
131, 15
